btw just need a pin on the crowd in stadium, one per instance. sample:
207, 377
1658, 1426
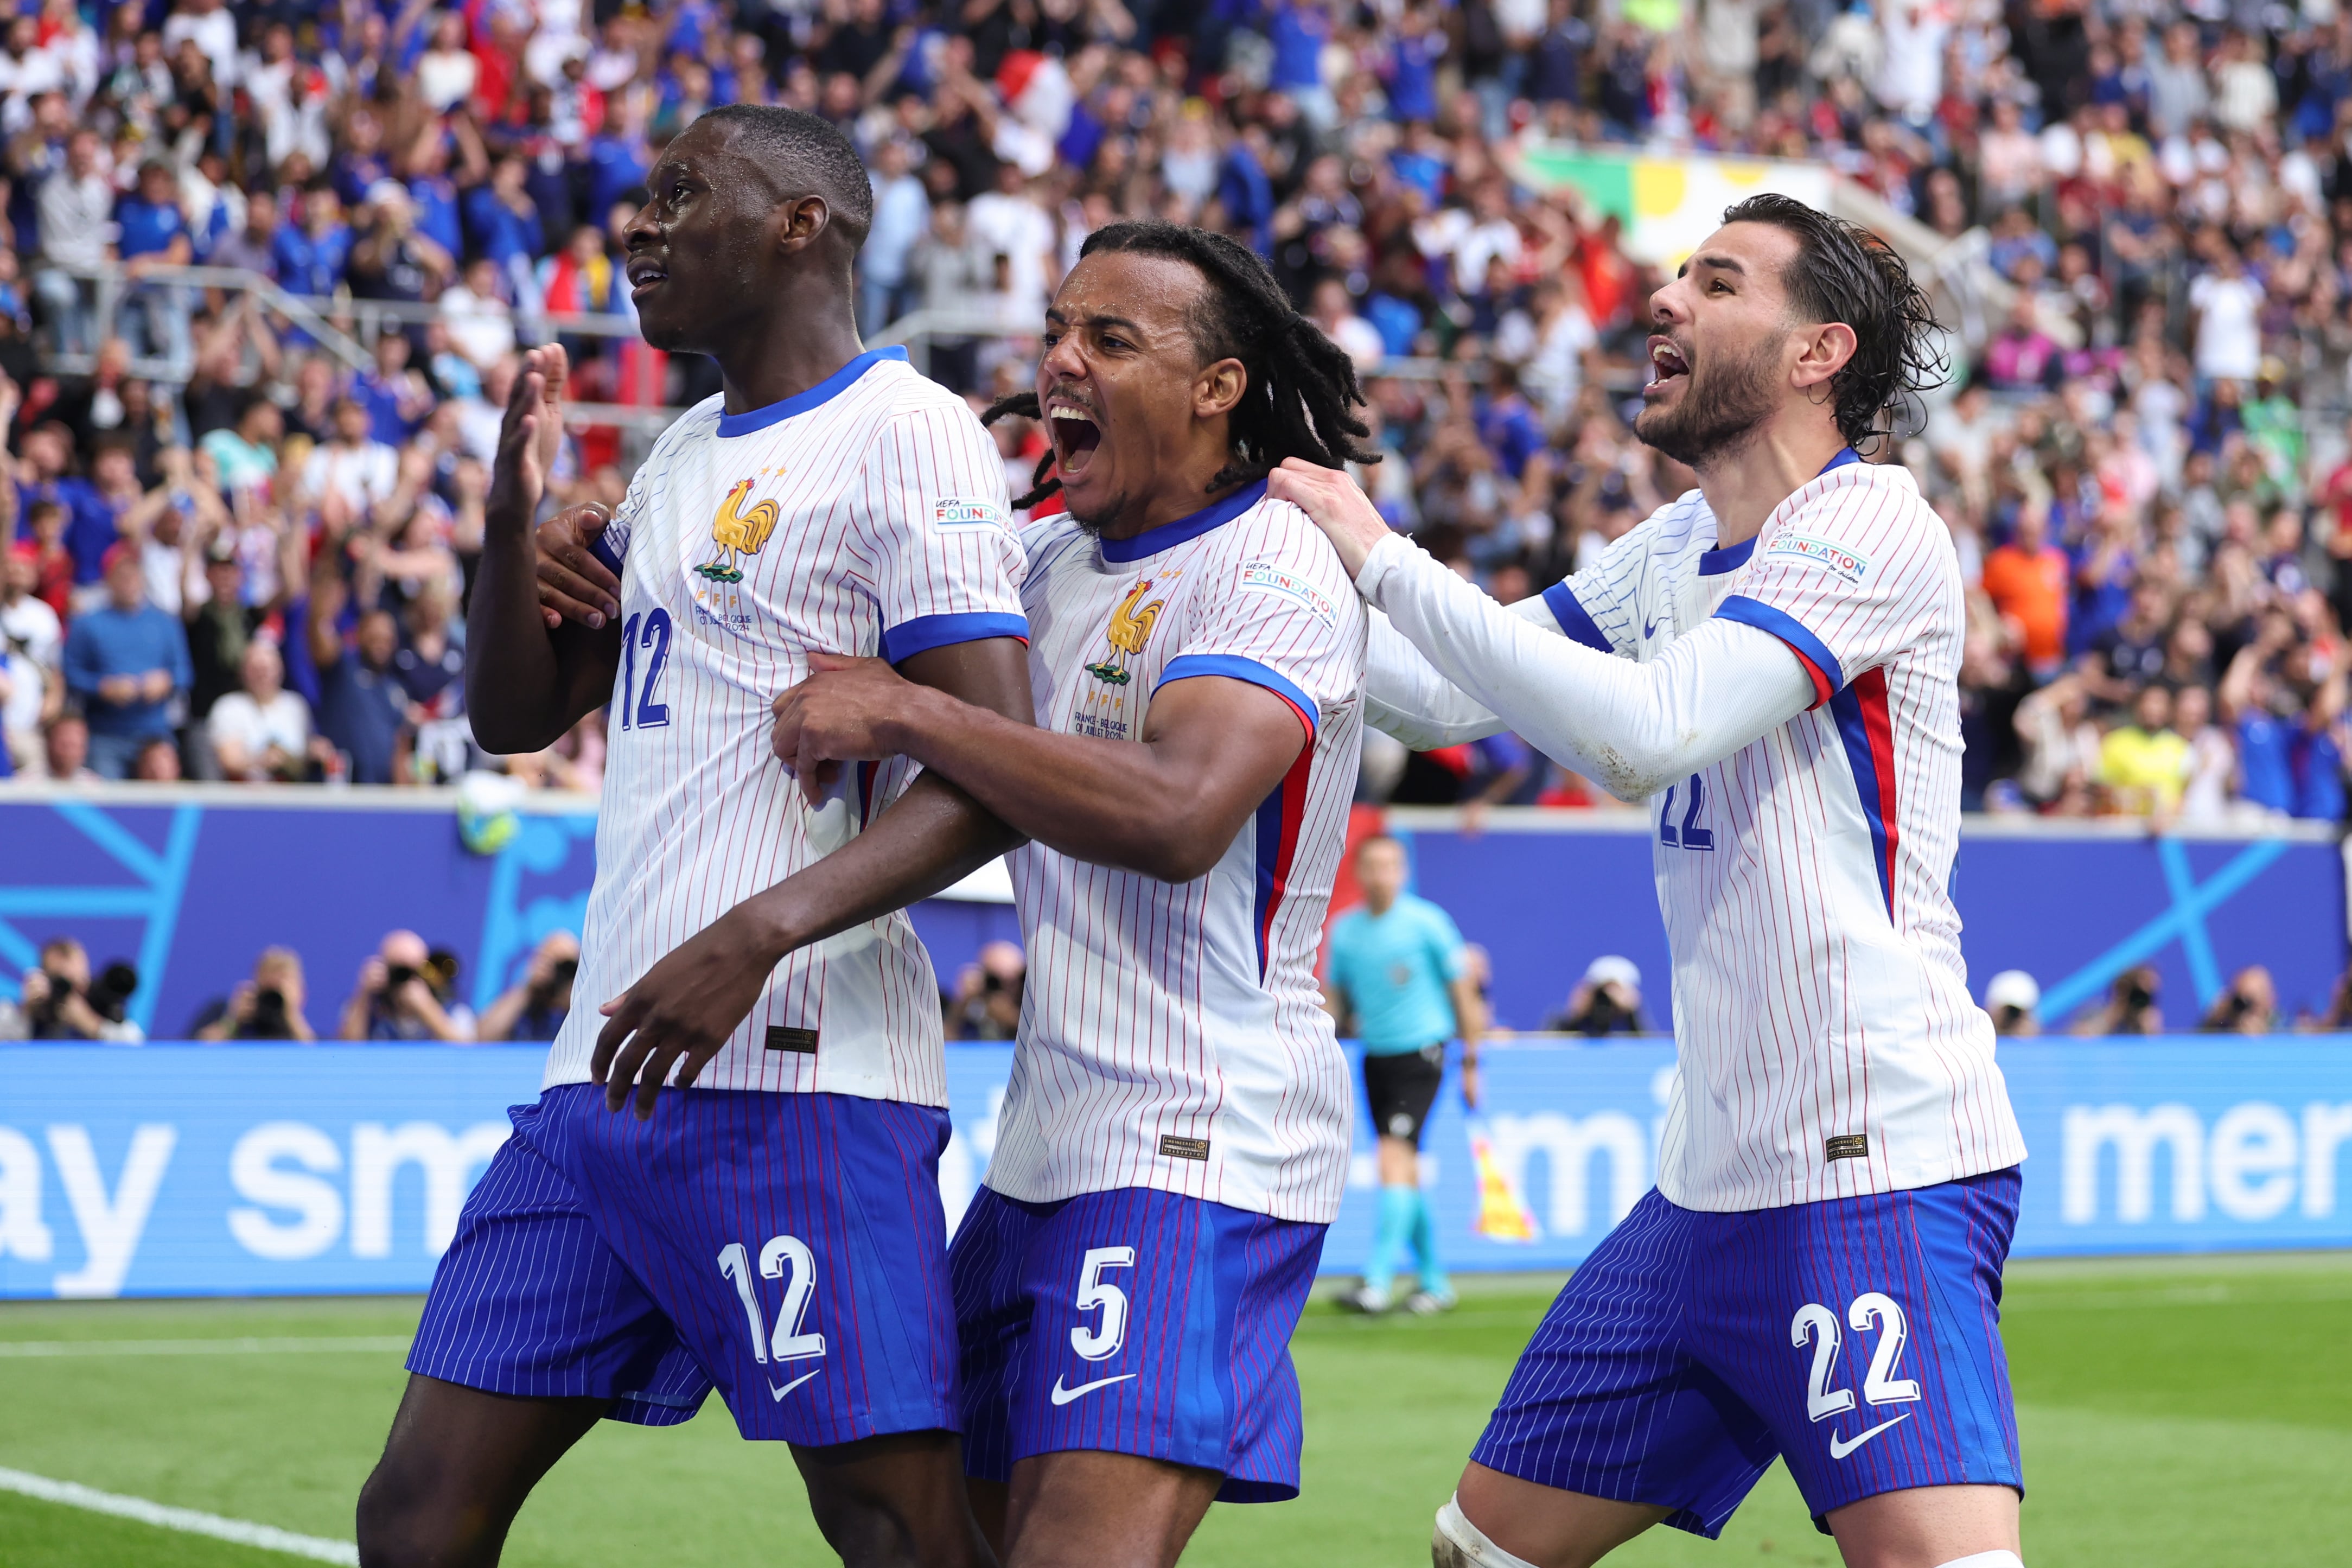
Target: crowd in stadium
233, 554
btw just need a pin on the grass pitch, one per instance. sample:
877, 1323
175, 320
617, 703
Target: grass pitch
2194, 1411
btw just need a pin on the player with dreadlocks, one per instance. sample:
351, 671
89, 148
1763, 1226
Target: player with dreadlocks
1771, 661
1175, 1136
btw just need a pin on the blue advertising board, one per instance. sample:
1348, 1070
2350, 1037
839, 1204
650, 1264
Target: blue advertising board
190, 883
278, 1169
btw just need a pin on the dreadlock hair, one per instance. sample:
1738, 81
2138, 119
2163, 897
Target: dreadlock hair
1846, 273
1300, 391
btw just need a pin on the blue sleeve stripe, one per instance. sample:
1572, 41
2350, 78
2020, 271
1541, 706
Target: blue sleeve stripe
1232, 667
1572, 619
924, 632
602, 550
1764, 618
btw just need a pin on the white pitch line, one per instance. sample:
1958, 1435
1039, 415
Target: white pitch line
243, 1531
341, 1344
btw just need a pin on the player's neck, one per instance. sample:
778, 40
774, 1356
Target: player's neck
799, 346
1743, 487
1377, 905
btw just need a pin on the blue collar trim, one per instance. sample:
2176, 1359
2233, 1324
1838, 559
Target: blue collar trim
1169, 535
832, 386
1715, 562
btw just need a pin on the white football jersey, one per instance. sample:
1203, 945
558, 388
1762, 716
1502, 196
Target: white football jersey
1172, 1035
1828, 1044
866, 516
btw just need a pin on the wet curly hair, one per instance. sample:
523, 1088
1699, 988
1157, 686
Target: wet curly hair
1843, 272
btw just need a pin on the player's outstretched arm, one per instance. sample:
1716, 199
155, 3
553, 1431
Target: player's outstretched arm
685, 1009
526, 682
1635, 727
1166, 805
1407, 698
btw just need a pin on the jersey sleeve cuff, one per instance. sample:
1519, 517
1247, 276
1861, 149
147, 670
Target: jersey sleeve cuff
1232, 667
924, 632
603, 550
1572, 618
1829, 678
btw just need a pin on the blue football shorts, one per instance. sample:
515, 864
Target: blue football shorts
789, 1249
1133, 1321
1858, 1339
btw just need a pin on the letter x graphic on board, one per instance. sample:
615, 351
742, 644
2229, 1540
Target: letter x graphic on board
2184, 922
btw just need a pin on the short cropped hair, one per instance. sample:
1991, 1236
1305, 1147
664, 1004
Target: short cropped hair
812, 152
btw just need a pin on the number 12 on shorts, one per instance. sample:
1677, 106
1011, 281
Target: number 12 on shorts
785, 1257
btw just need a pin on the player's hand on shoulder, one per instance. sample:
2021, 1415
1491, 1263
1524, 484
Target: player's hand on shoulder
837, 716
681, 1013
1336, 503
573, 584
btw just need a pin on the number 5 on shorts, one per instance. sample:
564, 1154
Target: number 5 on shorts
1102, 1342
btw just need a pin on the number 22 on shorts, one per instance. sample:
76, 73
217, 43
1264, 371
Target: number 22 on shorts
1817, 1325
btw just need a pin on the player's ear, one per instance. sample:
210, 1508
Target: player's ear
1218, 387
803, 218
1826, 349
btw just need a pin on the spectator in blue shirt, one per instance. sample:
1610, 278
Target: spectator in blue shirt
1509, 424
362, 707
394, 396
1298, 31
151, 233
313, 257
1411, 74
502, 221
44, 476
126, 661
436, 196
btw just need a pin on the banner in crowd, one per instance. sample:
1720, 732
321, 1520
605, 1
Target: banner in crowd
190, 891
1666, 205
252, 1170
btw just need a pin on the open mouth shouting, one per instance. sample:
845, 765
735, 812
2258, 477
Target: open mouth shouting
1667, 365
1076, 430
644, 274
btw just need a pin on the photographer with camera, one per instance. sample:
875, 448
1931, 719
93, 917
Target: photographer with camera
61, 1003
404, 994
266, 1007
2249, 1007
1607, 1001
2131, 1008
535, 1009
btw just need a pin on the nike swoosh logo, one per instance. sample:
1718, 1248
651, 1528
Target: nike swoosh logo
1063, 1396
1649, 629
1840, 1447
778, 1394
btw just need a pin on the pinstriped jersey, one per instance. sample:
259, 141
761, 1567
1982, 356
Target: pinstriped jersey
1827, 1041
864, 516
1172, 1035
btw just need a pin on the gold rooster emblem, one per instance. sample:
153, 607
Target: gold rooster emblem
738, 533
1130, 629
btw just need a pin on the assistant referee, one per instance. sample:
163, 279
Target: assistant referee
1399, 971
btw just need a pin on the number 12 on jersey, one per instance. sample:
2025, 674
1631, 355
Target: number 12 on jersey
648, 632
